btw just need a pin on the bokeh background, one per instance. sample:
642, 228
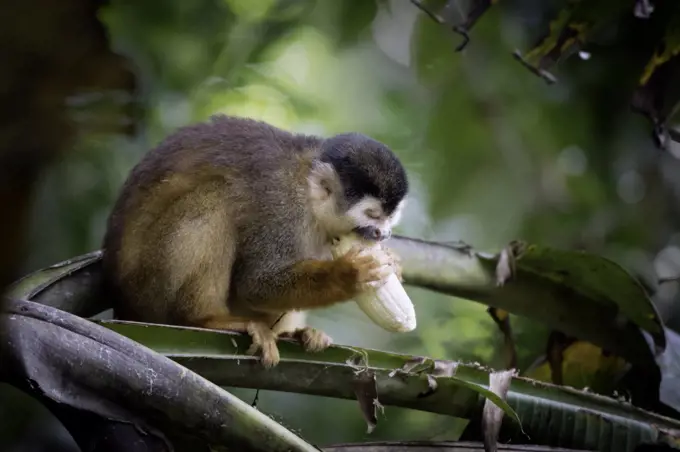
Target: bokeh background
492, 151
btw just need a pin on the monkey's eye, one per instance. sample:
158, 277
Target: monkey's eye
372, 213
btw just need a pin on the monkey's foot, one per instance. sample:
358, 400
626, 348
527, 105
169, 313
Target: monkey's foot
264, 340
313, 340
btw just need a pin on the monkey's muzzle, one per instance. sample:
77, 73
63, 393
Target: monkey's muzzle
373, 233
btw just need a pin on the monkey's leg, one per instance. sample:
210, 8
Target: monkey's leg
262, 334
211, 312
199, 252
218, 317
264, 340
223, 323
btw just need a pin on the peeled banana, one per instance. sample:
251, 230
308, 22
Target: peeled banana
388, 305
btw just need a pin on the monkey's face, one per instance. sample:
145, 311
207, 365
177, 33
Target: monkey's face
361, 187
339, 214
370, 219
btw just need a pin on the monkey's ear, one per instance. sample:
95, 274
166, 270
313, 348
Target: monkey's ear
323, 181
396, 215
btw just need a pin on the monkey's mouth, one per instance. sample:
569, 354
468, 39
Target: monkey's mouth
371, 233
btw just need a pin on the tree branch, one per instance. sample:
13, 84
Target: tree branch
567, 299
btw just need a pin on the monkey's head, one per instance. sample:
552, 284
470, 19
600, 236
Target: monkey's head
359, 185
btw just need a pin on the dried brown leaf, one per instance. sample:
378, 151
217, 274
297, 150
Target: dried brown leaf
444, 368
366, 392
492, 415
431, 387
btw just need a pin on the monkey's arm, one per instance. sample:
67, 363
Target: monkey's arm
310, 284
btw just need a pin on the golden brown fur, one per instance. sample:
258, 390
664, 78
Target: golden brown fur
226, 225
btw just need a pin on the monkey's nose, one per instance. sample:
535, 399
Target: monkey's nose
373, 233
381, 234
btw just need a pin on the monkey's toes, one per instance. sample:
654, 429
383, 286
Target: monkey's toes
269, 353
264, 341
313, 340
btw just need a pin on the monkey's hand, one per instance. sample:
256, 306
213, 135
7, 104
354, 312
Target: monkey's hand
363, 269
311, 283
315, 284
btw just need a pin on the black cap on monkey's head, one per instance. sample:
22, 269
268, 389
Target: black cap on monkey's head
373, 180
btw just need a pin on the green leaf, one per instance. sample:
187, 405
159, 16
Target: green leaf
584, 420
71, 285
583, 295
549, 414
571, 29
538, 287
355, 17
667, 48
221, 358
658, 95
578, 364
596, 278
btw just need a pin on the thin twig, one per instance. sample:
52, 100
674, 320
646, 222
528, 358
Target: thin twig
455, 28
256, 399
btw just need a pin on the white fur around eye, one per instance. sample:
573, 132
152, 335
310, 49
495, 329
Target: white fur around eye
372, 213
367, 204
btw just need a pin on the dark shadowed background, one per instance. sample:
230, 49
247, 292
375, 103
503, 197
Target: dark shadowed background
493, 153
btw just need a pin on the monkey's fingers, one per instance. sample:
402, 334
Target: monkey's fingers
269, 353
393, 255
373, 267
374, 279
376, 274
264, 340
395, 263
355, 253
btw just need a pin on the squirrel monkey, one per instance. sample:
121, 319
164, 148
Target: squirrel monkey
228, 224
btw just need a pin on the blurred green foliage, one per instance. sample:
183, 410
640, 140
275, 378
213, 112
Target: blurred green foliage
493, 153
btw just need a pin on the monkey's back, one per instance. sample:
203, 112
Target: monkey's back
198, 208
